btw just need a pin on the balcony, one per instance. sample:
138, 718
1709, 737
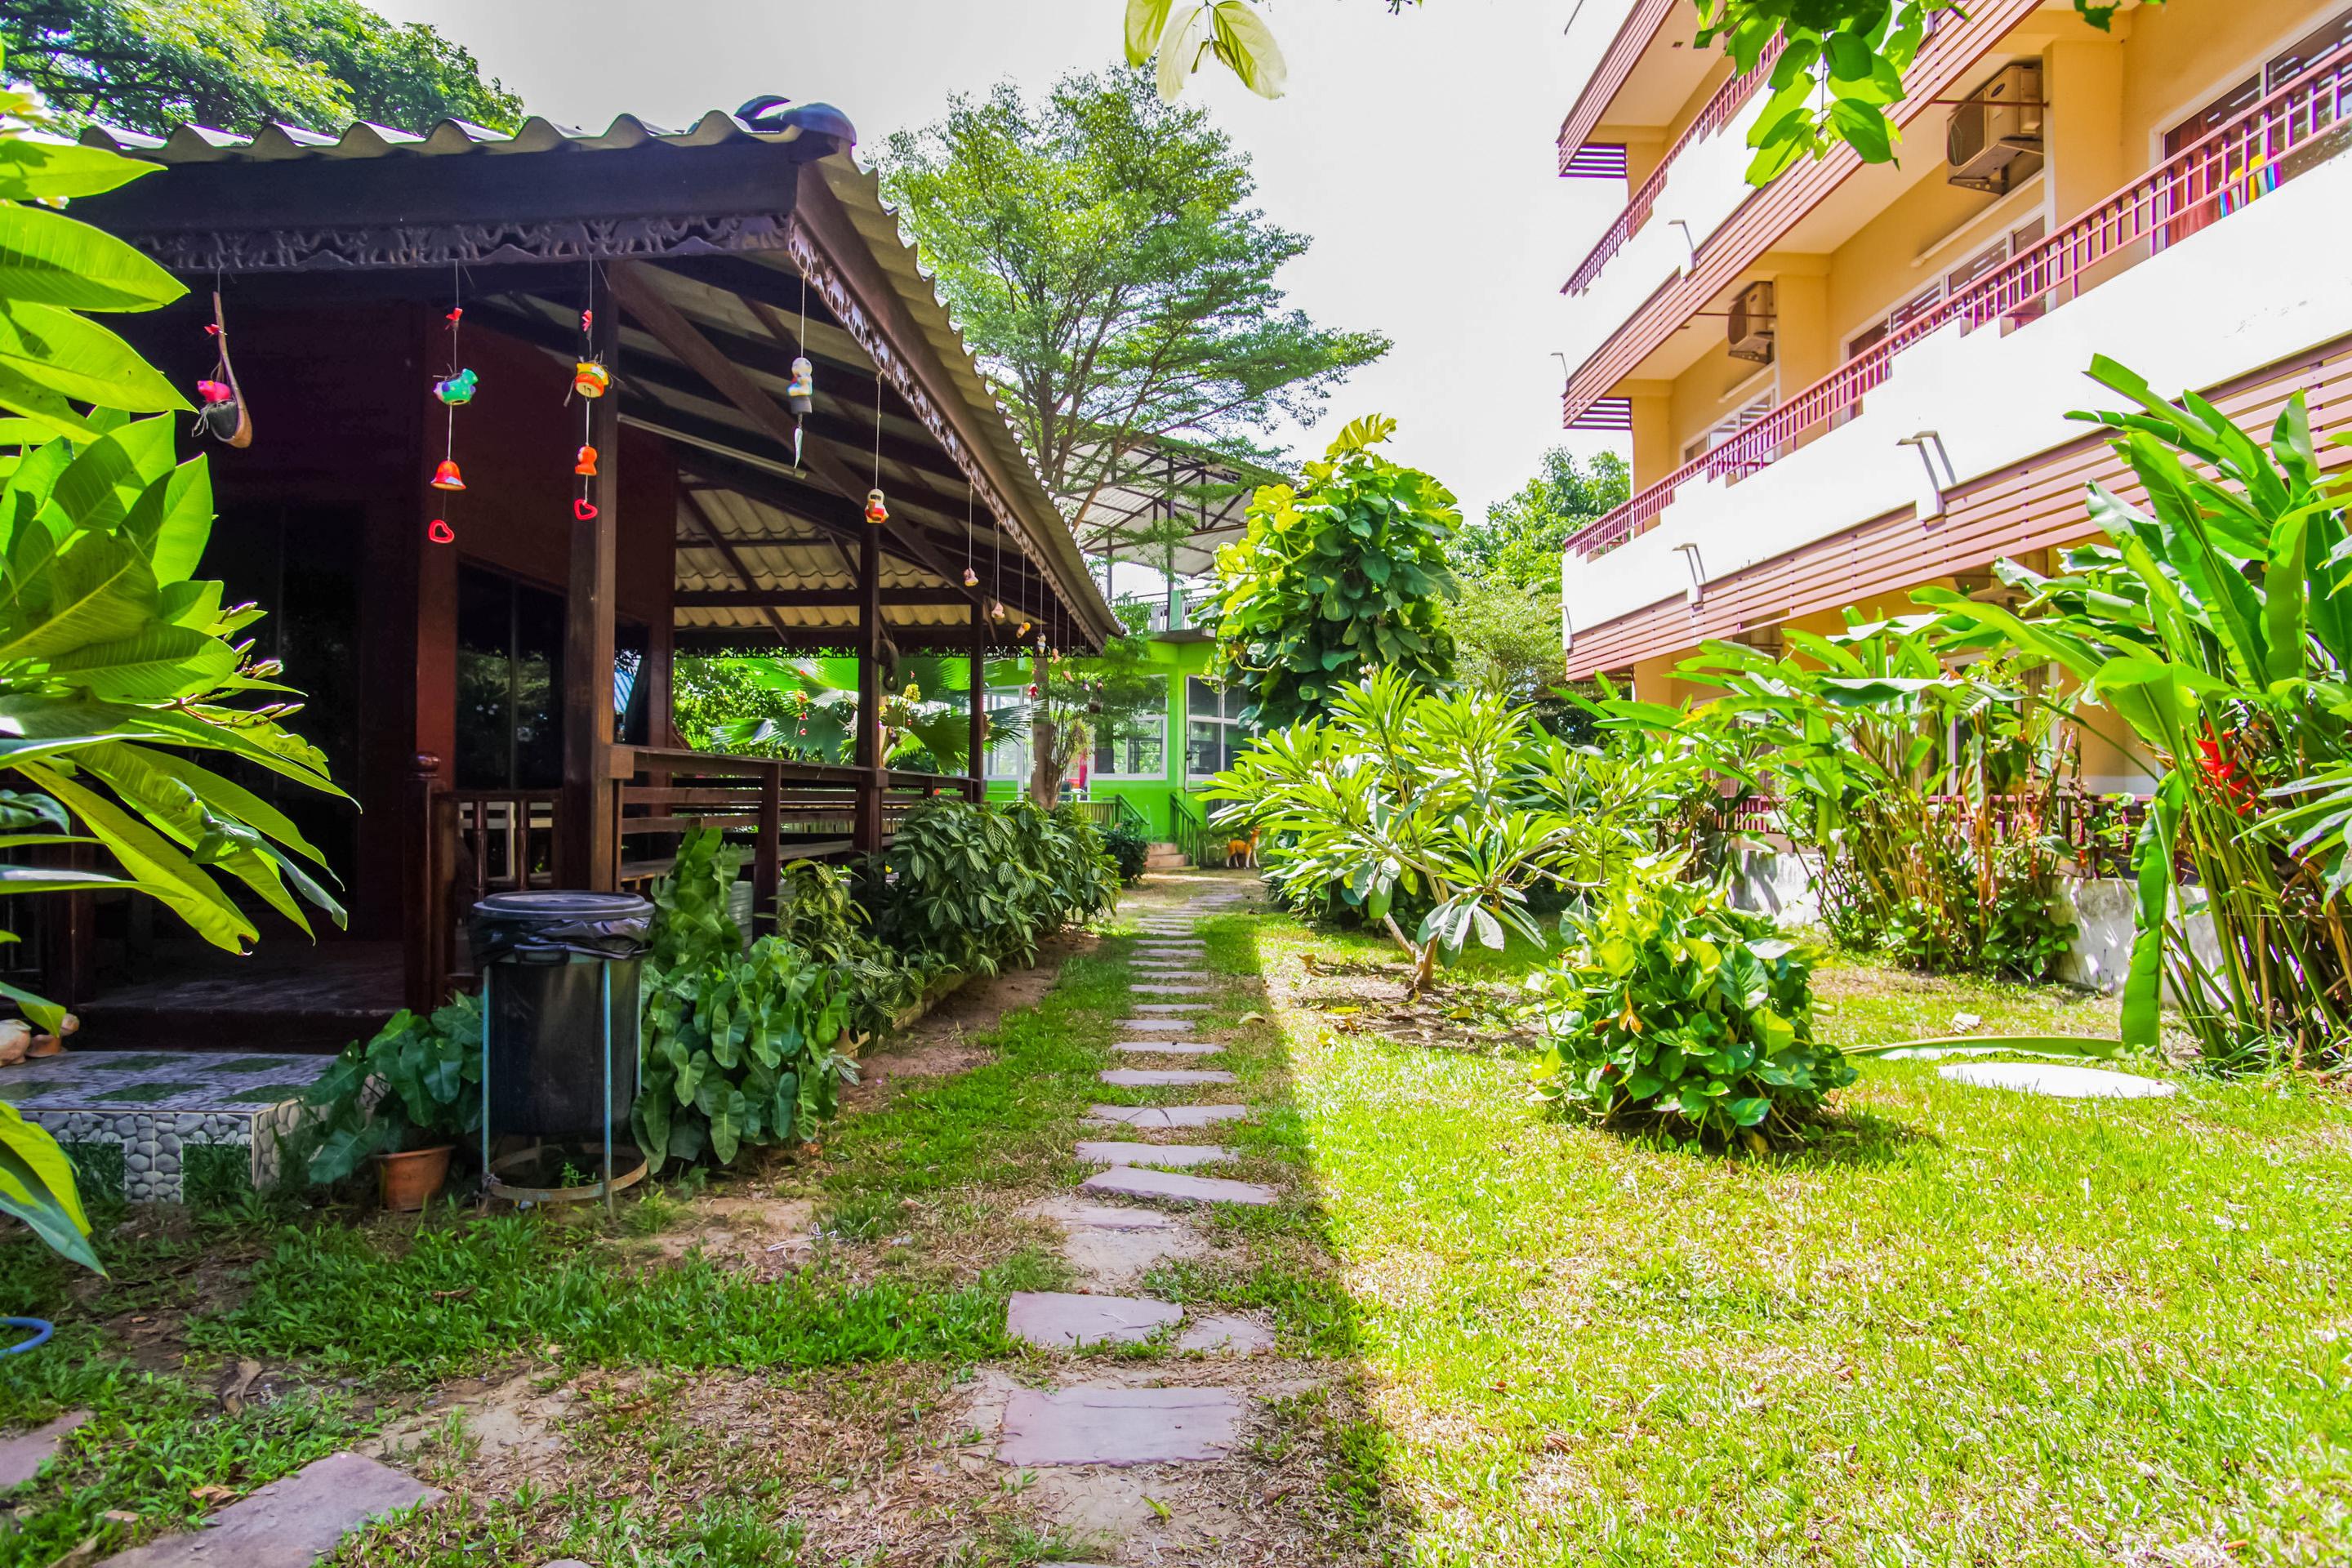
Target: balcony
2290, 132
1728, 100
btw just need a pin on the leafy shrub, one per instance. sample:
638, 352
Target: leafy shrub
1347, 575
817, 910
430, 1073
1674, 1004
970, 887
1456, 800
1128, 850
740, 1047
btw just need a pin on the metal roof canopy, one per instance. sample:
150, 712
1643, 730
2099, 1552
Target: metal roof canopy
1179, 487
728, 247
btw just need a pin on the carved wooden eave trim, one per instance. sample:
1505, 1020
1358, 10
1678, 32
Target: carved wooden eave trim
331, 248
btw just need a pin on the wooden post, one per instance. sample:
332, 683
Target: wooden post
978, 760
658, 675
868, 752
767, 855
588, 825
426, 942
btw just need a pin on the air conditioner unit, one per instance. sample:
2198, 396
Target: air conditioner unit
1749, 334
1993, 140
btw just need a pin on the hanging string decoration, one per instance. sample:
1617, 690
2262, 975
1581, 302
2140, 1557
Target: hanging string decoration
454, 388
590, 381
221, 413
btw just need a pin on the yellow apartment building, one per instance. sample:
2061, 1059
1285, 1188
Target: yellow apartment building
1854, 382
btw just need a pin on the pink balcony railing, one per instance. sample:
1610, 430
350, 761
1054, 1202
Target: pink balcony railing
1726, 102
2232, 165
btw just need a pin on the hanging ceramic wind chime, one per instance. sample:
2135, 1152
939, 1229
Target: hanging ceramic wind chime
970, 577
589, 388
454, 389
800, 392
996, 574
877, 510
221, 413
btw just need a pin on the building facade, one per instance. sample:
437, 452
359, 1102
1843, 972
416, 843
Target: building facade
1855, 382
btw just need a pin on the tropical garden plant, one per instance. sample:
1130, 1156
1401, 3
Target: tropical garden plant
118, 666
2212, 622
1336, 579
972, 887
418, 1079
1673, 1005
1457, 804
1927, 795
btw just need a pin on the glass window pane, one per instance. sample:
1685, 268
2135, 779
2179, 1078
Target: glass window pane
1203, 699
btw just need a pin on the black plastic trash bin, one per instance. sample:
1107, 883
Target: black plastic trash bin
546, 960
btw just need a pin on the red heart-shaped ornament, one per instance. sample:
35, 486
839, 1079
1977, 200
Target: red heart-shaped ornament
440, 533
585, 511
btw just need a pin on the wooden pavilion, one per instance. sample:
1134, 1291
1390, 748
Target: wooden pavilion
489, 669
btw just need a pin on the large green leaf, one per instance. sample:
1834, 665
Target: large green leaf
36, 1186
53, 260
156, 664
44, 171
76, 358
91, 588
152, 859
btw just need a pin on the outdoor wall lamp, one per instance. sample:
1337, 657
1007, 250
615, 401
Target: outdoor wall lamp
1688, 551
1938, 464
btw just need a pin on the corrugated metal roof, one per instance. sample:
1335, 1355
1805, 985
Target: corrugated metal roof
453, 138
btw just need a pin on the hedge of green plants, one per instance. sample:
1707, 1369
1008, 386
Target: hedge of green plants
748, 1044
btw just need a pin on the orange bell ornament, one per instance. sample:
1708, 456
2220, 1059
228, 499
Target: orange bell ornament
876, 513
590, 379
971, 578
587, 467
446, 477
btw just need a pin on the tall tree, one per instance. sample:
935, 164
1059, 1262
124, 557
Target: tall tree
1102, 257
238, 65
1519, 543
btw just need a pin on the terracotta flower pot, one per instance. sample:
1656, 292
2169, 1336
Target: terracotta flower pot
407, 1182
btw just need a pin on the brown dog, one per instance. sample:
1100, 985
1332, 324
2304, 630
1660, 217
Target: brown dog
1242, 853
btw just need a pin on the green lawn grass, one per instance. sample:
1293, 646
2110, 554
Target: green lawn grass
1969, 1326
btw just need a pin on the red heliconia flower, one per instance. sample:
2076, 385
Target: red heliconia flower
2223, 774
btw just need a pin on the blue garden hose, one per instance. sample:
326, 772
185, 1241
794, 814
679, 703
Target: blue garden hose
41, 1327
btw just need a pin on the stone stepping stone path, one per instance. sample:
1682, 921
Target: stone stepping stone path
22, 1455
1112, 1426
290, 1523
2058, 1080
1162, 1118
1119, 1427
1141, 1181
1163, 1078
1173, 1155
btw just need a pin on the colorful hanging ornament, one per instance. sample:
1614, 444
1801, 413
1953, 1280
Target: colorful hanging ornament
439, 532
452, 387
590, 379
996, 611
800, 391
457, 389
446, 477
586, 464
876, 512
221, 413
971, 578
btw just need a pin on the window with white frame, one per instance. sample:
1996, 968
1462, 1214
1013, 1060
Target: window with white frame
1132, 746
1213, 734
1008, 733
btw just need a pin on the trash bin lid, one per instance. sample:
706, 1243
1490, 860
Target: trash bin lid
544, 925
559, 905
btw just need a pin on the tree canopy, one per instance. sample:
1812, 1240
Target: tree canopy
1519, 543
1101, 254
238, 65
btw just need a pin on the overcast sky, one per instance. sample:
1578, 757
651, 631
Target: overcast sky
1416, 149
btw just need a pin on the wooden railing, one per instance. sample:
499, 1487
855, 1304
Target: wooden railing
1726, 102
2299, 125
